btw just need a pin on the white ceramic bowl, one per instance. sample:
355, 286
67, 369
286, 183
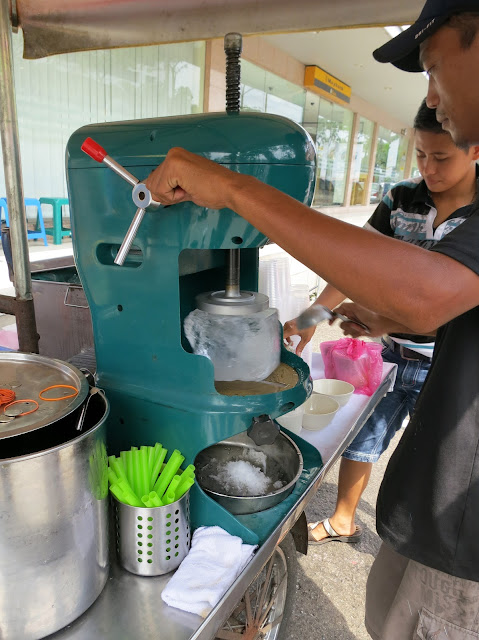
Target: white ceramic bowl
338, 389
319, 410
292, 420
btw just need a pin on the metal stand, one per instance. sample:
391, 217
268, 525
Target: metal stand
21, 306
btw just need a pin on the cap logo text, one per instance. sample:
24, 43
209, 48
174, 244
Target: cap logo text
418, 35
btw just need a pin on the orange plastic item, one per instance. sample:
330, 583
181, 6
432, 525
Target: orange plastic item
25, 413
58, 386
6, 395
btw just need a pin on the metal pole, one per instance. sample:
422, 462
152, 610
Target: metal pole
27, 334
232, 288
233, 45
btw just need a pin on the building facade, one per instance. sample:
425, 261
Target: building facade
361, 150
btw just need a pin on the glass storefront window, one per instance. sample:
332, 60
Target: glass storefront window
390, 163
332, 143
266, 92
360, 163
57, 95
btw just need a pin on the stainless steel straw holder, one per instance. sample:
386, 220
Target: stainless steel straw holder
153, 541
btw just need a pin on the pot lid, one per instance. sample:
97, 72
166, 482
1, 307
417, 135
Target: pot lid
27, 374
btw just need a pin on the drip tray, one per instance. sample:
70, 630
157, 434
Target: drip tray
283, 377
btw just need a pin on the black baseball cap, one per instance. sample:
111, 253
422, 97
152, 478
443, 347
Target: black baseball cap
403, 50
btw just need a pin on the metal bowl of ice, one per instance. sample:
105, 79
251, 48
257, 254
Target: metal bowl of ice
246, 478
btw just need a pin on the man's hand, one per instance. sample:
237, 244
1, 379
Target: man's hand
185, 176
378, 325
291, 329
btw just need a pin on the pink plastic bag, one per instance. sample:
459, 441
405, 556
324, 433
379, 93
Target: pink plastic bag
354, 361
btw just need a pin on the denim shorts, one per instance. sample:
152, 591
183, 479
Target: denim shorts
394, 408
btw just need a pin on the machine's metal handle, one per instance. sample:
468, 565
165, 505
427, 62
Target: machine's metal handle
141, 195
130, 236
144, 201
98, 153
94, 150
142, 198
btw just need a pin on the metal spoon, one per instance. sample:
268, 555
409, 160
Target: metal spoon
81, 419
317, 313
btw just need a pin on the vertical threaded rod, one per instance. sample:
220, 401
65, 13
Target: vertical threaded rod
233, 44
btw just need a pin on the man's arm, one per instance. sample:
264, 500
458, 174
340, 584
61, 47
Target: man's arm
420, 289
378, 325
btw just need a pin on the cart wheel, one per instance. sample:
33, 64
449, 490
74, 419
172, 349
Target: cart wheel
265, 608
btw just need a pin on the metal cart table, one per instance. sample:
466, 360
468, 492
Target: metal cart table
130, 607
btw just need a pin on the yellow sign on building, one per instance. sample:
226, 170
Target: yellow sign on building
324, 84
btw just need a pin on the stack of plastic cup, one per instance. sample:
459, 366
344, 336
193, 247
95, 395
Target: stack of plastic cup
275, 281
290, 300
298, 302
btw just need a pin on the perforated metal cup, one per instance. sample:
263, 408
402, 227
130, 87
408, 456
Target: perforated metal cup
153, 541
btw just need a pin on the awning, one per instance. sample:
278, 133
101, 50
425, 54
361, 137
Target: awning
61, 26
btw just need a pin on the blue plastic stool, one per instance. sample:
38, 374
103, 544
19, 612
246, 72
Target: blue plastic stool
4, 208
29, 202
57, 231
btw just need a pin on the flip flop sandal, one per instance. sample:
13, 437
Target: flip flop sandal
333, 536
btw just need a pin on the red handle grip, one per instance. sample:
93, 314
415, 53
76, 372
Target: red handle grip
93, 149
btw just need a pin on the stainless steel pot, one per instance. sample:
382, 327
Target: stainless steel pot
281, 461
53, 527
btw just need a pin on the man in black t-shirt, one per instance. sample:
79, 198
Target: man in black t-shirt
425, 581
420, 211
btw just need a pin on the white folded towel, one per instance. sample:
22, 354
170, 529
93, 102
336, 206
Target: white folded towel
215, 560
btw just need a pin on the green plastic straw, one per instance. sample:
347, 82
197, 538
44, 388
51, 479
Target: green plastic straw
112, 477
137, 472
161, 455
174, 483
186, 475
152, 455
169, 496
189, 472
118, 493
123, 493
146, 501
118, 468
155, 499
130, 497
172, 466
183, 488
144, 471
129, 467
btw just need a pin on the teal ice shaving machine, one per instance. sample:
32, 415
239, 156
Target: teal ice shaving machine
144, 268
